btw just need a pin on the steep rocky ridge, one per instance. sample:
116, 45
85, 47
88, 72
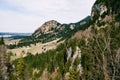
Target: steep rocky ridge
52, 29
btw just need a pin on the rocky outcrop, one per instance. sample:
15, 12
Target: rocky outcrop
46, 28
52, 29
76, 56
69, 53
105, 11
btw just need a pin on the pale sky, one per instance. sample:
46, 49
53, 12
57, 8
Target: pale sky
28, 15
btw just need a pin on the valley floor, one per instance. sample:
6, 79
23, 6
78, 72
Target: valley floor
33, 49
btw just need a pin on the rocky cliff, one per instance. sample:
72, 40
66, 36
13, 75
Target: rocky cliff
105, 11
47, 27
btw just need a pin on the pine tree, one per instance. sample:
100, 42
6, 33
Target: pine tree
20, 69
73, 75
2, 41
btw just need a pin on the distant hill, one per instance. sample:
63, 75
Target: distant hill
52, 29
14, 35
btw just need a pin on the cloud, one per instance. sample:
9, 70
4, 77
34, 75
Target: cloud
28, 15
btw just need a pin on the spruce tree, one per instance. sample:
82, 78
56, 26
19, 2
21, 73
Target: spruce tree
21, 68
2, 41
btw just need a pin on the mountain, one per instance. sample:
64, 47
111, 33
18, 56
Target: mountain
52, 30
91, 53
47, 27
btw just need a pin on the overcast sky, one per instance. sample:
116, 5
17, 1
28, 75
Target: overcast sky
28, 15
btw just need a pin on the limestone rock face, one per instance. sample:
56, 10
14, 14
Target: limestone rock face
104, 11
47, 27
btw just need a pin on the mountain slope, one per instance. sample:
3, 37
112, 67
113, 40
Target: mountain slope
87, 58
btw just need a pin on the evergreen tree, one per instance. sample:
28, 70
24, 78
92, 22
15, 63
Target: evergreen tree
2, 41
20, 68
73, 75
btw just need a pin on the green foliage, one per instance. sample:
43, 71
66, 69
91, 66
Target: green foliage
20, 68
9, 54
68, 64
77, 61
91, 60
99, 58
101, 52
50, 60
117, 17
103, 15
86, 60
2, 41
74, 75
95, 17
